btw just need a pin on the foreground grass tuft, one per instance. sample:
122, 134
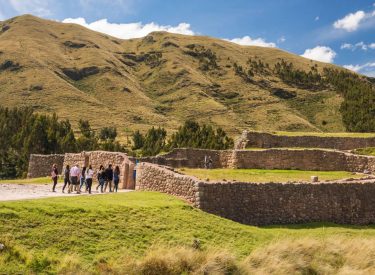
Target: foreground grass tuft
153, 233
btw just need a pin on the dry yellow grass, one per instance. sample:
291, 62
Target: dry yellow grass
135, 95
290, 256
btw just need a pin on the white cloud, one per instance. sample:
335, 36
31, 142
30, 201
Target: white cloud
360, 45
366, 69
248, 41
35, 7
350, 22
129, 30
320, 53
347, 46
282, 39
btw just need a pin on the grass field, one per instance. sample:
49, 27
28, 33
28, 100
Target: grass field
369, 151
43, 180
324, 134
262, 175
145, 231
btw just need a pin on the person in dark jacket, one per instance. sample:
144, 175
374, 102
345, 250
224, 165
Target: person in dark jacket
66, 177
54, 176
116, 178
101, 178
109, 178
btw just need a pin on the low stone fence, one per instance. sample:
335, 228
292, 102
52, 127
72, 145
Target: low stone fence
267, 203
304, 159
267, 140
162, 179
41, 165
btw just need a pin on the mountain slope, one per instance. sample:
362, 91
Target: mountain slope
161, 79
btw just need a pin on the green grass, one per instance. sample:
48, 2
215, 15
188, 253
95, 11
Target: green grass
262, 175
43, 180
44, 235
323, 134
369, 151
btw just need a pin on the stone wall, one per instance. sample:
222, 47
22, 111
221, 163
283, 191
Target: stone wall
304, 159
163, 179
267, 203
267, 140
97, 158
41, 165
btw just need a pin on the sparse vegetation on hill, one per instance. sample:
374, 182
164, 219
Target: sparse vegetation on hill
164, 79
152, 233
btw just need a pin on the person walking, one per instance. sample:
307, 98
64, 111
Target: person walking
54, 176
82, 179
109, 178
66, 178
101, 178
116, 178
89, 175
74, 175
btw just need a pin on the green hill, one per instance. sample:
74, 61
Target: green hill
153, 233
160, 79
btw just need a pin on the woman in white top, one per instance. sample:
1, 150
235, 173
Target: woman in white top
89, 175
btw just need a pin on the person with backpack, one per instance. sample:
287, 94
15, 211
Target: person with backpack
116, 178
82, 179
109, 178
66, 174
89, 175
54, 176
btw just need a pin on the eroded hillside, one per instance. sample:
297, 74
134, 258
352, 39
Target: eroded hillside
161, 79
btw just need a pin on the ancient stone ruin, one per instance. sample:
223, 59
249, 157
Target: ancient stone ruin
344, 202
40, 165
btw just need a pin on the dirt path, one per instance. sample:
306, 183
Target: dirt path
14, 191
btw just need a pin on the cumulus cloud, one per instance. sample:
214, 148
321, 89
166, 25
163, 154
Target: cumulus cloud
129, 30
320, 53
248, 41
36, 7
353, 21
350, 22
360, 45
366, 69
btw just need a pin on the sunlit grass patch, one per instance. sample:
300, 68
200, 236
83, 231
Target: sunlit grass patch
263, 175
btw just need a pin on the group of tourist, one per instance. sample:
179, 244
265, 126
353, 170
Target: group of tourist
75, 178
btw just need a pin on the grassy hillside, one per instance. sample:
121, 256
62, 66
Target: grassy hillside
148, 231
161, 79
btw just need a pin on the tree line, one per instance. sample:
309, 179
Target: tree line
190, 135
23, 132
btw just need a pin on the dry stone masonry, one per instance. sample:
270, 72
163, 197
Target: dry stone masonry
40, 165
301, 159
267, 140
267, 203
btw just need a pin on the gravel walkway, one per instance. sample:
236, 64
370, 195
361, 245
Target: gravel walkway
13, 191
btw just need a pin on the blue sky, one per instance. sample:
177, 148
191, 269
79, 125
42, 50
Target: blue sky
336, 31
